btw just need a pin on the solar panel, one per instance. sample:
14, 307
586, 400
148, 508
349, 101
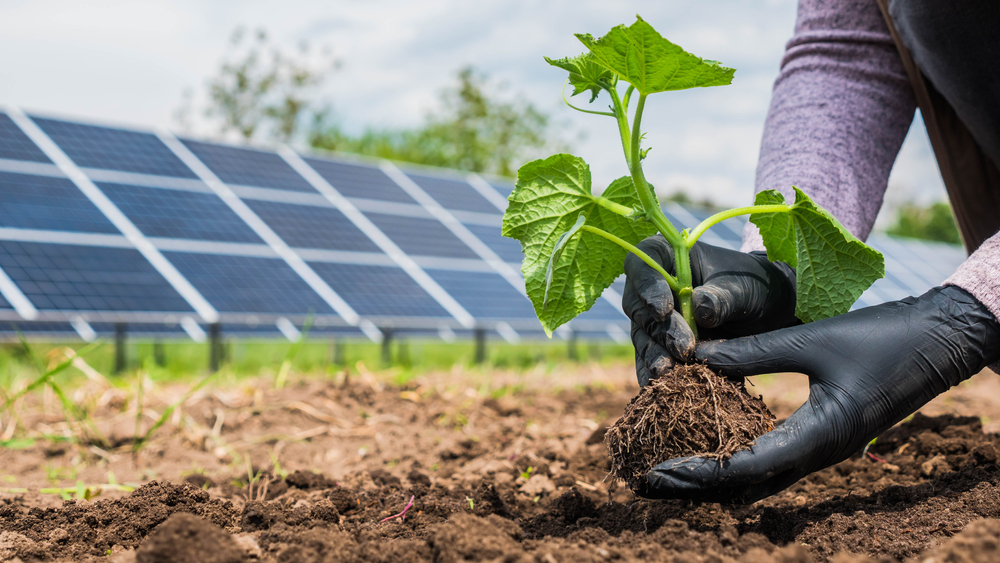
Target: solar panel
421, 237
508, 249
248, 167
92, 146
15, 145
8, 329
453, 194
67, 277
379, 291
161, 329
159, 212
304, 226
504, 188
44, 202
246, 284
603, 311
359, 181
217, 251
484, 295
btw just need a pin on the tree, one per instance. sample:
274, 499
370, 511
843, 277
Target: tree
934, 222
477, 130
261, 92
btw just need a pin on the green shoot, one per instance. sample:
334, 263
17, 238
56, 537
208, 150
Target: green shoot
293, 350
526, 474
141, 442
575, 242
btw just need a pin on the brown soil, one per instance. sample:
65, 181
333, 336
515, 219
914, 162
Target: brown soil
689, 411
504, 477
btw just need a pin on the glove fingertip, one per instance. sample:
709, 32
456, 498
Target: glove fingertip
712, 306
681, 342
658, 298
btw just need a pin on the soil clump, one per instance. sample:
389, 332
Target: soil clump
689, 411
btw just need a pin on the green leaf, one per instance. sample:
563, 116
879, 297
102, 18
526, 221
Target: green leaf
584, 73
833, 268
641, 56
549, 198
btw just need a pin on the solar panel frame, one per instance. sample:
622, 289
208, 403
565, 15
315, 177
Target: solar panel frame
15, 145
245, 166
359, 181
63, 277
262, 285
168, 213
452, 193
133, 151
30, 201
421, 237
380, 292
304, 226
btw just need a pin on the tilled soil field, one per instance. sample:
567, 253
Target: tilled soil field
511, 476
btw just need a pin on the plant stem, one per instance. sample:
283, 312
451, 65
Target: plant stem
621, 113
671, 280
646, 195
618, 208
682, 259
607, 113
721, 216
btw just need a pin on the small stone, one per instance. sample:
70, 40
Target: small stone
537, 485
935, 466
248, 544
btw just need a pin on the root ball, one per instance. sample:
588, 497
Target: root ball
689, 411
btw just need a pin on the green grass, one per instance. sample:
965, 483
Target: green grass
187, 360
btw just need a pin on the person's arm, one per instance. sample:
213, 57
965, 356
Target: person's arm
980, 276
839, 113
840, 110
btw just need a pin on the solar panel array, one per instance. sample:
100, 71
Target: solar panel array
102, 225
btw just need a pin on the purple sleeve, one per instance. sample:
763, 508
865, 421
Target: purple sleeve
840, 109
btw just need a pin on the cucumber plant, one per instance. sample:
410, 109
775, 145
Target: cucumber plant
575, 241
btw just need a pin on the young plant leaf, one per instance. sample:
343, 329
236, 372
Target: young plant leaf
833, 268
584, 73
642, 57
549, 198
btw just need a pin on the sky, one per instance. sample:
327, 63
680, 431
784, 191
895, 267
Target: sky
130, 62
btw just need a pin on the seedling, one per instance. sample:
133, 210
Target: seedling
575, 241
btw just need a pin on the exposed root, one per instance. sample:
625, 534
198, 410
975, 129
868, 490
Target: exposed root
689, 411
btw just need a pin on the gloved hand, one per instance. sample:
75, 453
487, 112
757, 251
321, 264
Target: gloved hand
868, 369
735, 294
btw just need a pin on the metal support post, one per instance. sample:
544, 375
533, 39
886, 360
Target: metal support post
386, 346
121, 359
215, 351
480, 336
159, 355
573, 352
339, 352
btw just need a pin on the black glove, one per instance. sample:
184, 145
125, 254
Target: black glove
868, 369
735, 294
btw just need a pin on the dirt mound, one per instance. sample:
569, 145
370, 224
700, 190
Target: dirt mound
185, 537
689, 411
81, 528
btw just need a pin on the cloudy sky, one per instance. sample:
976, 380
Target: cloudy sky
130, 62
